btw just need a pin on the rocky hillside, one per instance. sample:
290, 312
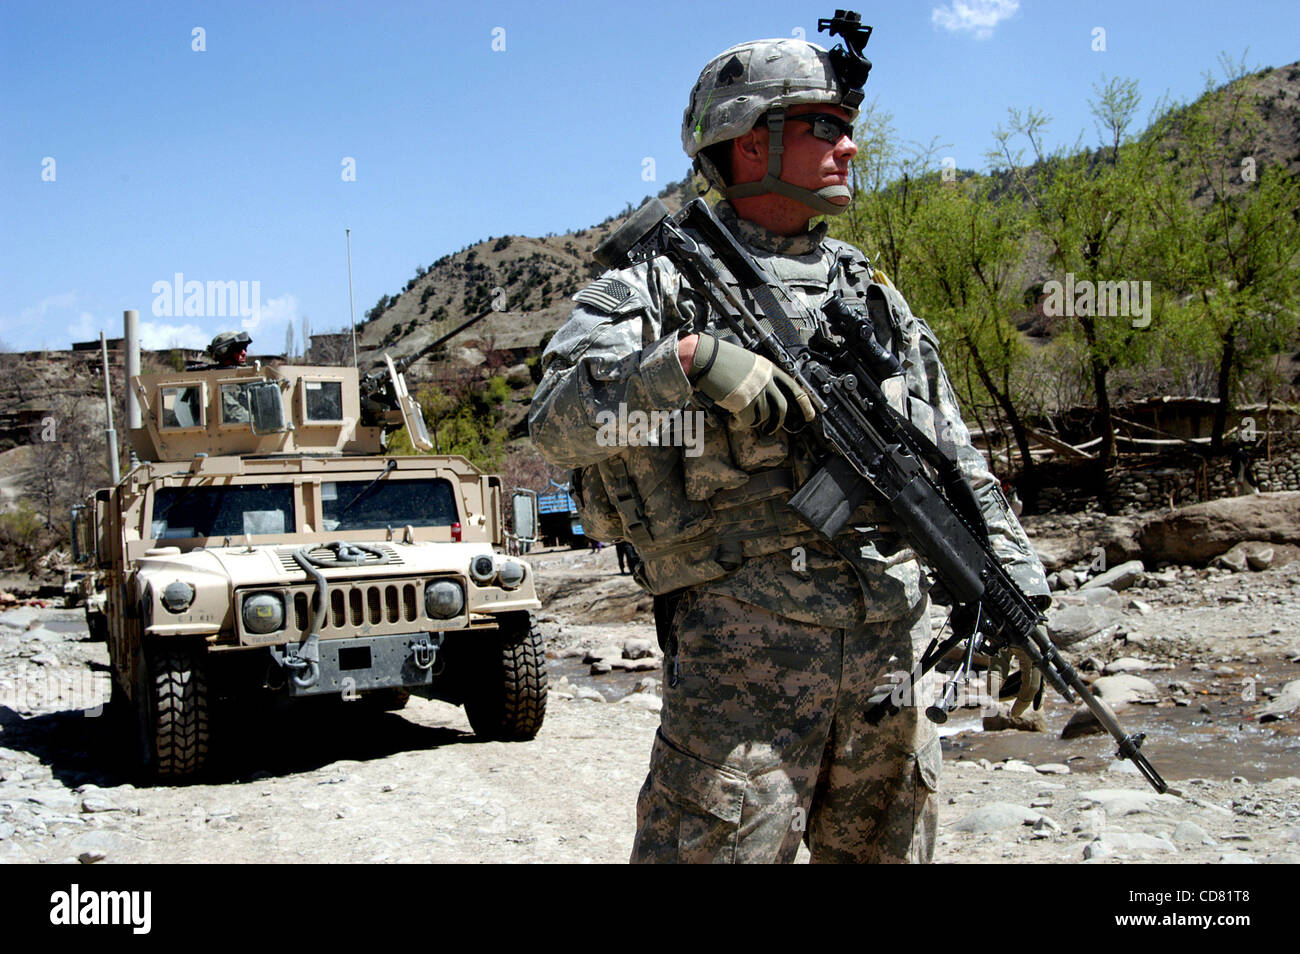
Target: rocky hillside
532, 279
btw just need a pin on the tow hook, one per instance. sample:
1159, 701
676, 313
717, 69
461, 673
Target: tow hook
424, 649
302, 661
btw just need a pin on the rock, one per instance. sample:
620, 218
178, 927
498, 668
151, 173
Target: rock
6, 830
1190, 833
1260, 558
996, 816
1096, 850
1236, 858
637, 648
586, 692
604, 654
92, 856
1127, 664
1100, 596
1052, 768
1016, 765
600, 668
1031, 720
1083, 722
1200, 532
1124, 801
1045, 827
643, 700
95, 802
648, 664
45, 659
20, 618
647, 684
1074, 625
1285, 703
106, 842
1234, 560
1068, 580
1118, 578
57, 799
1115, 842
1125, 688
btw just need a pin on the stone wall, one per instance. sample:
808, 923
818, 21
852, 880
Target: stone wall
1173, 479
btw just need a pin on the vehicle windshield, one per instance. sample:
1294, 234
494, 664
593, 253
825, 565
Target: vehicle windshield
184, 512
388, 503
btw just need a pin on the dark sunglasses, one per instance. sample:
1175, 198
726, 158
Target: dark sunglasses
825, 125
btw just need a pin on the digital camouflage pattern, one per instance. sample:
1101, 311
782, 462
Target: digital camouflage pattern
763, 743
772, 612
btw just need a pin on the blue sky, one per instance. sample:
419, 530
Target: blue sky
227, 164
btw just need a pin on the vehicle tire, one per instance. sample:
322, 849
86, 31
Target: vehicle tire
174, 712
506, 698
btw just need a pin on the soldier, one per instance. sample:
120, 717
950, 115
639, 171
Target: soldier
229, 349
774, 640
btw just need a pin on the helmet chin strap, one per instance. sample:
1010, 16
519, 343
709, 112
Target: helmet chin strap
818, 199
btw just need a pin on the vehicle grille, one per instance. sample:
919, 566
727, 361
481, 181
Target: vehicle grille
353, 605
326, 559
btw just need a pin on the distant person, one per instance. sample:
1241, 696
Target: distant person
1243, 468
626, 552
229, 349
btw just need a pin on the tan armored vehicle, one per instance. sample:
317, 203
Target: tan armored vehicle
267, 544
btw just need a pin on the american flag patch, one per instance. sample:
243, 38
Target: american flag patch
605, 294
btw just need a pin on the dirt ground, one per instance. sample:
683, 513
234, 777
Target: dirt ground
336, 782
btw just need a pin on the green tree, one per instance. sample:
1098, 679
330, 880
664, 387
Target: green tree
1229, 233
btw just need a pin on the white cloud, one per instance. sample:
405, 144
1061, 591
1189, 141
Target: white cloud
157, 335
86, 328
976, 17
278, 311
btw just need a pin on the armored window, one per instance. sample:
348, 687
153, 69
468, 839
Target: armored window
371, 505
234, 403
181, 407
324, 400
181, 513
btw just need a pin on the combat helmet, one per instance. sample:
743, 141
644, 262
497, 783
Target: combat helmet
228, 343
759, 80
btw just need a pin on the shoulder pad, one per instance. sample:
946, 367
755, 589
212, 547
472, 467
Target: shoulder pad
610, 295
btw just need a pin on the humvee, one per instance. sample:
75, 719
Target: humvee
266, 543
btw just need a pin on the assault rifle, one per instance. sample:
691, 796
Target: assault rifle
863, 447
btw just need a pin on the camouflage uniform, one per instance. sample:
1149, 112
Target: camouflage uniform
774, 639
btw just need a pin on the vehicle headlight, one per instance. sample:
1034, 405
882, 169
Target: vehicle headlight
263, 613
444, 599
512, 573
483, 568
177, 596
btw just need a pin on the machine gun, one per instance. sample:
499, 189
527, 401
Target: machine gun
383, 390
863, 447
